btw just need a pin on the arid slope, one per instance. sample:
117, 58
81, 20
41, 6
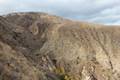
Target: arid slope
38, 46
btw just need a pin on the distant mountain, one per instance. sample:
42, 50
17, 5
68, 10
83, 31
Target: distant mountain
39, 46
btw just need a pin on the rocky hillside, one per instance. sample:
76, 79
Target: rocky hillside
38, 46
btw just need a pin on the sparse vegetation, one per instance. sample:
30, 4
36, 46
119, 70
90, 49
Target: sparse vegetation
32, 44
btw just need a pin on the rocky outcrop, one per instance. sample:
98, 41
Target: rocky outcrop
38, 46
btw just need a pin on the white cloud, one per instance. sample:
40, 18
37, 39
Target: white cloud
102, 11
2, 1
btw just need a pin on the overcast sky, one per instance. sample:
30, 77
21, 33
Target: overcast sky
100, 11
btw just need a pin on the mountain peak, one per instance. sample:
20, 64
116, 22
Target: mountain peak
39, 46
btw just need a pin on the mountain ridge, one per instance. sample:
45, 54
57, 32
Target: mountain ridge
39, 46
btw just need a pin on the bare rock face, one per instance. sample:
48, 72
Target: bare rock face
38, 46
